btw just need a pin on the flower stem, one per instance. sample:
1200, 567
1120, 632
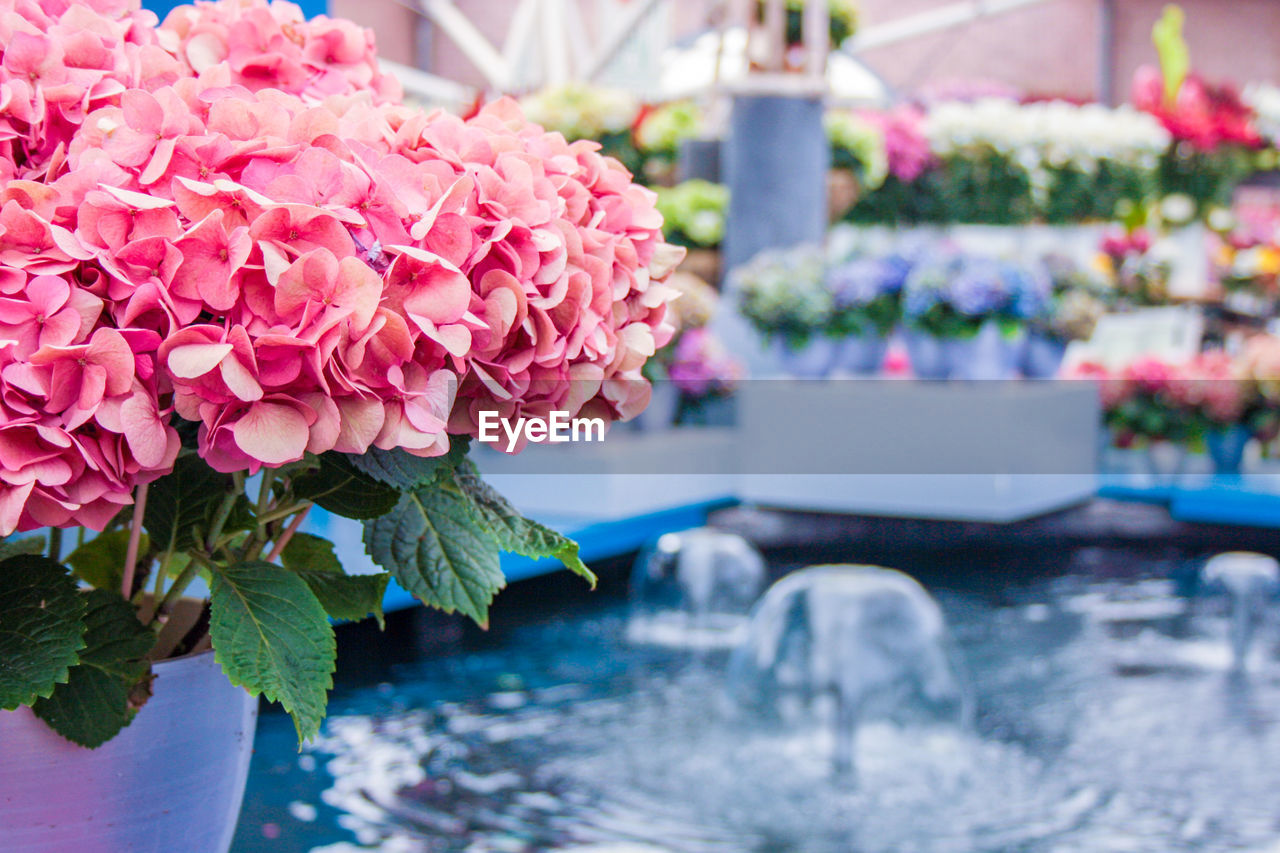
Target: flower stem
55, 544
220, 519
180, 585
162, 572
284, 537
264, 491
135, 537
283, 512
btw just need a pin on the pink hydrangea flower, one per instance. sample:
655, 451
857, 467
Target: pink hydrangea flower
230, 220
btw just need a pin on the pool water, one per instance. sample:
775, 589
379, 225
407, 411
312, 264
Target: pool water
1106, 718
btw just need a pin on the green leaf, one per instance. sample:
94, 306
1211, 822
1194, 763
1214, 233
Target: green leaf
310, 553
512, 531
337, 486
100, 561
1171, 46
403, 470
183, 500
95, 702
272, 636
348, 597
13, 546
436, 547
41, 628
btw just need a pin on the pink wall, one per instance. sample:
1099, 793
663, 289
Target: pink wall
1229, 39
1053, 48
1049, 49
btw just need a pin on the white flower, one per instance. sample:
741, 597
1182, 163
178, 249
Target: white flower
1221, 220
1177, 209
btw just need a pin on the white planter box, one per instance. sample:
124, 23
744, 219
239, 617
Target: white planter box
979, 451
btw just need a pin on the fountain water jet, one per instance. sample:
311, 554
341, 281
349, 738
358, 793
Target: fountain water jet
1251, 581
861, 640
695, 588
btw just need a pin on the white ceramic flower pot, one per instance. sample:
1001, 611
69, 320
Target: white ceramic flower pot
172, 780
813, 361
863, 354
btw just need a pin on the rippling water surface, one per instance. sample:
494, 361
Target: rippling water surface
1106, 720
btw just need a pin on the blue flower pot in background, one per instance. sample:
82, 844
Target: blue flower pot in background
1042, 356
863, 354
990, 354
814, 360
930, 358
1226, 448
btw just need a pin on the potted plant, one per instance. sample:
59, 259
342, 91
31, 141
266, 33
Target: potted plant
783, 294
962, 315
1144, 410
1077, 301
706, 375
842, 17
695, 213
659, 133
238, 280
866, 306
1224, 408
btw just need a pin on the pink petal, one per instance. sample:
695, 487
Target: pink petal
271, 433
192, 360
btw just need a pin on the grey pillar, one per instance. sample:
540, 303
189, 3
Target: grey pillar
775, 162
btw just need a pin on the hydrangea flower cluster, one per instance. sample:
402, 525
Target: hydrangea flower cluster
1151, 399
702, 366
231, 218
784, 294
949, 294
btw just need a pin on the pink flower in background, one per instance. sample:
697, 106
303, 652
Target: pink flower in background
703, 366
906, 146
1151, 375
1202, 114
229, 219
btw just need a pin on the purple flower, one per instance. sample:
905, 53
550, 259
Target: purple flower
978, 289
702, 365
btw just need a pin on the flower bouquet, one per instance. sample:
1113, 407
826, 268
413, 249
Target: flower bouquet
783, 294
238, 280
